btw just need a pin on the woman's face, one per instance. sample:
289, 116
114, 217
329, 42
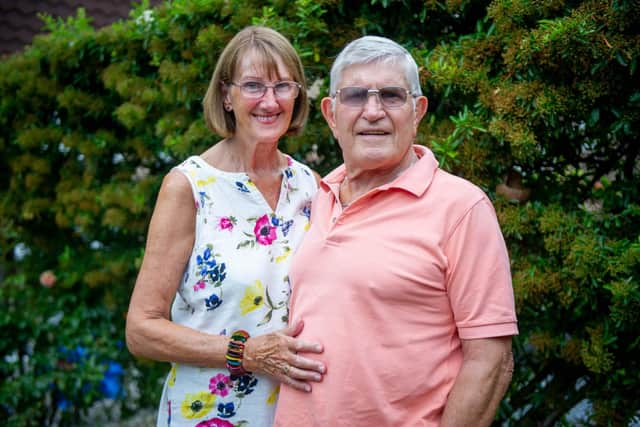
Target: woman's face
267, 118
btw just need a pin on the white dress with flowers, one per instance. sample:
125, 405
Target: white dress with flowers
236, 278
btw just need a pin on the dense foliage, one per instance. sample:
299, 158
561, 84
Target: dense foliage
536, 102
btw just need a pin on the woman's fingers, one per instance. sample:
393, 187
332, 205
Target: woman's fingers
276, 354
297, 384
307, 368
294, 330
298, 345
299, 378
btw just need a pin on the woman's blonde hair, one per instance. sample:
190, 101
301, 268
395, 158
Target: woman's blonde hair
269, 46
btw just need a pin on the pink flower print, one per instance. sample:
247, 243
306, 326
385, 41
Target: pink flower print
264, 231
226, 223
214, 422
220, 385
200, 284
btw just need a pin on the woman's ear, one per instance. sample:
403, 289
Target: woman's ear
226, 103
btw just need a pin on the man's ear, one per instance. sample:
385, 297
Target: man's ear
327, 111
422, 104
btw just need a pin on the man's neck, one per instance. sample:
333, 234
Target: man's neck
359, 182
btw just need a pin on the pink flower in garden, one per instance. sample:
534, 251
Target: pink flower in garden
226, 223
48, 279
200, 284
220, 385
214, 422
264, 231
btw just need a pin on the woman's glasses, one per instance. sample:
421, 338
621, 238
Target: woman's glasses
281, 90
390, 97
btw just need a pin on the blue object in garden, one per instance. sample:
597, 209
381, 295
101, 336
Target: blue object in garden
75, 355
111, 384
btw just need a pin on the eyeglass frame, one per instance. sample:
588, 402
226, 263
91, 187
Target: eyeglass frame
377, 93
266, 88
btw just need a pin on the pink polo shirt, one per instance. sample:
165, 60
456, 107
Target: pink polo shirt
390, 285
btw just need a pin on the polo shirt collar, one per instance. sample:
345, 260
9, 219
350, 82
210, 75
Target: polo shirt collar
414, 180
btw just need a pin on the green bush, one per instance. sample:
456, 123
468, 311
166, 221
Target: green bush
536, 102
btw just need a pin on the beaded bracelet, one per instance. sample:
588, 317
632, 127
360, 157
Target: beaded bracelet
235, 353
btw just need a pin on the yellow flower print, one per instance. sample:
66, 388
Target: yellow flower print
307, 226
273, 396
253, 298
284, 256
203, 182
197, 405
172, 375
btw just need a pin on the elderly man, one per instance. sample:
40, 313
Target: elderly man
404, 275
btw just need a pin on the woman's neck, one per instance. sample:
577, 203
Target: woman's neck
233, 155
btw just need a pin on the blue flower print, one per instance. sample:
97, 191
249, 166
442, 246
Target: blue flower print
213, 302
245, 384
288, 172
275, 221
286, 227
240, 186
218, 274
208, 267
306, 210
206, 261
202, 196
226, 410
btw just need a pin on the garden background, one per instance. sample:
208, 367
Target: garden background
535, 101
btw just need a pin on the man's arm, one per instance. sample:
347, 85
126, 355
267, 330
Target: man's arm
481, 383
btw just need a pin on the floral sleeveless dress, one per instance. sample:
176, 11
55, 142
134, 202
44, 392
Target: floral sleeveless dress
236, 278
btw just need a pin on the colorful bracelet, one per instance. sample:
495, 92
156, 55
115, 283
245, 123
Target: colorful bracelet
235, 353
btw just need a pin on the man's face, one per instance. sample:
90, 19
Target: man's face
373, 136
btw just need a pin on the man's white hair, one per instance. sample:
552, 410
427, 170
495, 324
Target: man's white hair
375, 49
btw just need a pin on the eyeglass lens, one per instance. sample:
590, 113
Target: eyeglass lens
255, 89
392, 97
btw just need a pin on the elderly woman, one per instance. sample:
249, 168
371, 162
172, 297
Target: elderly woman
212, 293
418, 328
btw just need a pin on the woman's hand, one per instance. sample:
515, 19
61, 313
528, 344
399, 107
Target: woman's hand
276, 354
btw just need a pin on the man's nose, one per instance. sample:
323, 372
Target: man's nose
372, 108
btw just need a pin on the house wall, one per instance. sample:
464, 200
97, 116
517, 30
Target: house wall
19, 20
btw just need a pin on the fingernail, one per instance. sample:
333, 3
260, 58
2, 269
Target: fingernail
307, 388
316, 377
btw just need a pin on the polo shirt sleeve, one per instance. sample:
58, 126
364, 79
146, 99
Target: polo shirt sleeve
478, 278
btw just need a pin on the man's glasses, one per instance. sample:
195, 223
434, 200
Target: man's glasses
390, 97
281, 90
